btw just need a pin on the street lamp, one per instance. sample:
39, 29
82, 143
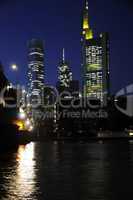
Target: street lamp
22, 114
14, 67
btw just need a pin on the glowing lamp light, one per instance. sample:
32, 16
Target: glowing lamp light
131, 134
21, 110
22, 115
23, 91
14, 67
31, 128
27, 123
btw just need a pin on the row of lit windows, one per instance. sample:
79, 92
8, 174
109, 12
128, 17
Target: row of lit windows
93, 50
95, 75
92, 60
36, 63
36, 53
98, 95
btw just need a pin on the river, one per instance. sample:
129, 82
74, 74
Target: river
68, 171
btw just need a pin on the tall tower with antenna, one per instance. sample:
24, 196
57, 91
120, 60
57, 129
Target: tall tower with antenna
64, 72
95, 61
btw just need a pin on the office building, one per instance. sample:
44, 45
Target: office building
64, 73
35, 71
95, 61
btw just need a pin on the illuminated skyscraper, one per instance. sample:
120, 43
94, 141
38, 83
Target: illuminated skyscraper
95, 61
64, 73
35, 70
87, 32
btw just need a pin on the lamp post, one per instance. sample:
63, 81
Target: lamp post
14, 68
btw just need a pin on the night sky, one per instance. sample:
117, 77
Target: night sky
58, 23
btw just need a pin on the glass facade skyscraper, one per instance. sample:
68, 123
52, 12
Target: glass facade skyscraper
35, 70
95, 61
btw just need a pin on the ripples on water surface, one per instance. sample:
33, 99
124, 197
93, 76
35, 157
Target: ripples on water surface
68, 171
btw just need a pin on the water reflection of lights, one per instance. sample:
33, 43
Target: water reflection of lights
25, 154
25, 178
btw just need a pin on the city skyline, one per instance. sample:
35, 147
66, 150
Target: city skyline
66, 102
67, 34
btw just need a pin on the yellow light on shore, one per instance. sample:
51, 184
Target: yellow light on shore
20, 124
130, 133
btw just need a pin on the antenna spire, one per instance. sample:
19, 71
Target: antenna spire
63, 54
86, 4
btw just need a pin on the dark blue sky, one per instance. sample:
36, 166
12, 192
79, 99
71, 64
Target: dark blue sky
58, 23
